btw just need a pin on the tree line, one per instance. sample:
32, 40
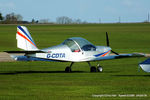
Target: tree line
13, 18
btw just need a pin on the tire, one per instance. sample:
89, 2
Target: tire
68, 69
99, 69
93, 69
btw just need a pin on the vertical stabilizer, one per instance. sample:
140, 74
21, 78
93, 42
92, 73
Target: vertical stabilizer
24, 39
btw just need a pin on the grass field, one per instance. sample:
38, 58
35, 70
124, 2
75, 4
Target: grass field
47, 80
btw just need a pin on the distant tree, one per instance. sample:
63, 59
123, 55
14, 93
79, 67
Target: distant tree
64, 20
33, 21
1, 17
10, 17
67, 20
19, 17
37, 21
13, 18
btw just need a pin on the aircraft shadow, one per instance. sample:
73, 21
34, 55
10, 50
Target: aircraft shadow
111, 71
31, 72
132, 75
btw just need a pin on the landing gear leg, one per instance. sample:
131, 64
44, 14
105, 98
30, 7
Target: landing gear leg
92, 68
68, 68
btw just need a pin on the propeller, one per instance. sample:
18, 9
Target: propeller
107, 41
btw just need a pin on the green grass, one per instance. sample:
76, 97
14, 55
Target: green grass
47, 80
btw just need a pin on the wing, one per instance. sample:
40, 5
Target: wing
119, 56
27, 52
26, 58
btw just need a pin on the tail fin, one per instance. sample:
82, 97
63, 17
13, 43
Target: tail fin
24, 39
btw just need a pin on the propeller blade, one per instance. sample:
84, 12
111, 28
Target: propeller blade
107, 39
114, 52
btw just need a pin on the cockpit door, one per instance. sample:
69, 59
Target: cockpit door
74, 47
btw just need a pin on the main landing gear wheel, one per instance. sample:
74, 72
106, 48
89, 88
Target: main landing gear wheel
93, 69
68, 69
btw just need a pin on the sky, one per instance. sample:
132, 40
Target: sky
106, 11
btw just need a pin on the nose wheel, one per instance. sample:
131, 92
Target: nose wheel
94, 69
99, 68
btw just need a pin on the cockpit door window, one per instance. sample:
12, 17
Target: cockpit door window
72, 45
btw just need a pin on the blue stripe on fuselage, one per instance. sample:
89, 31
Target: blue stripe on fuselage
97, 55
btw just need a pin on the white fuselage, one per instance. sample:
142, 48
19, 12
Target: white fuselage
63, 52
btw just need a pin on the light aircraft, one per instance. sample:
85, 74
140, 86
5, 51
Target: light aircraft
75, 49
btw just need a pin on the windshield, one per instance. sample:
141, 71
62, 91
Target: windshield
82, 43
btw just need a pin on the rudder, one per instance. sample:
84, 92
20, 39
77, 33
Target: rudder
24, 39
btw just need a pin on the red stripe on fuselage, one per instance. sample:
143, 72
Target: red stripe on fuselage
25, 38
105, 54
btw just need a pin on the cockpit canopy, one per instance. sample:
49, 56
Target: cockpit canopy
76, 44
